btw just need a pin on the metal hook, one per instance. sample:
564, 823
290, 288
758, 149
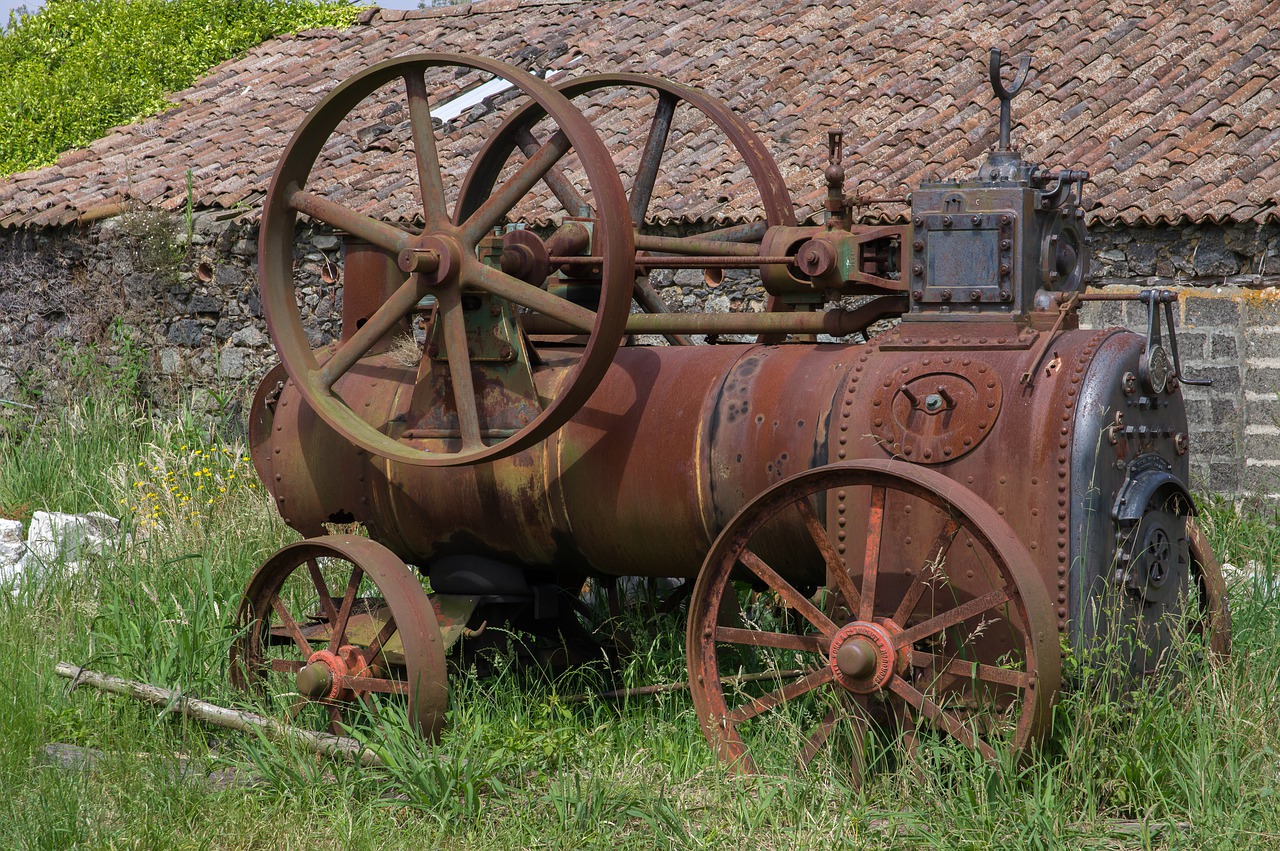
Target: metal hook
1004, 94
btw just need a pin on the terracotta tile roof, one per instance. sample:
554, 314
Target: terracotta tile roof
1173, 107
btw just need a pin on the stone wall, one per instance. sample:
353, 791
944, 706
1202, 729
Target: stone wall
180, 298
184, 296
1228, 321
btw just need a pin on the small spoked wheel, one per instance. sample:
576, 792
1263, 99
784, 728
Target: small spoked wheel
332, 622
862, 597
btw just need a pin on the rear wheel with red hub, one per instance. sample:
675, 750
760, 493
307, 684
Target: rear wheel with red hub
330, 626
863, 597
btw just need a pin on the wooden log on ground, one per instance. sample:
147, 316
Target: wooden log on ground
221, 716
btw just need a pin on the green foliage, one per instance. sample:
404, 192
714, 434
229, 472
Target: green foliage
77, 68
1187, 760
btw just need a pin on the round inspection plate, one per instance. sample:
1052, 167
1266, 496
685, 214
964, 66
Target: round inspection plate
935, 411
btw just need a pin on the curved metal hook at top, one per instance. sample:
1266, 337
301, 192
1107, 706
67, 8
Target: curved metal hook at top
1006, 94
1018, 81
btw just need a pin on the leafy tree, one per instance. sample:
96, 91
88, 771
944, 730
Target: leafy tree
76, 68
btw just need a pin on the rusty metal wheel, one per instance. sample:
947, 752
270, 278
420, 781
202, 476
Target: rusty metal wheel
330, 621
1206, 574
601, 90
442, 261
933, 617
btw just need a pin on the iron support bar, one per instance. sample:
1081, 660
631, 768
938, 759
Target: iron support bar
836, 323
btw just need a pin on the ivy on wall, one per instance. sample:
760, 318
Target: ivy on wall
77, 68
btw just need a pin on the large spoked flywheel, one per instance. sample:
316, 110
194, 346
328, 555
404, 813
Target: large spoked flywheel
443, 261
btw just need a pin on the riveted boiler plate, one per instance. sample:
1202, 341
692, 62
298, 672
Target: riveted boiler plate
936, 410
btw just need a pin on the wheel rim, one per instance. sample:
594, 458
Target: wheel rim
329, 622
775, 199
441, 261
1215, 613
973, 656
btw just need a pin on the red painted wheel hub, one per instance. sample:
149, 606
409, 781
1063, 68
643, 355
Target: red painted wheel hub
863, 658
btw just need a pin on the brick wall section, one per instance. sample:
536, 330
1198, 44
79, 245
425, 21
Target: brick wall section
1228, 323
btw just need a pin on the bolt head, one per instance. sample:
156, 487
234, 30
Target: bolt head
856, 658
315, 680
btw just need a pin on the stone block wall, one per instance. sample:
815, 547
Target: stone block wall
1232, 336
186, 297
183, 296
1228, 328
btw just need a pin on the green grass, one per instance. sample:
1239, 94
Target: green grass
1189, 762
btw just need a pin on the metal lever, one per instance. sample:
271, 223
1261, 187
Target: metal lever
1006, 94
834, 175
1151, 363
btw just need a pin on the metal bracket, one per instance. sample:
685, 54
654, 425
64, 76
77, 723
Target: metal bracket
1005, 95
1068, 304
1154, 365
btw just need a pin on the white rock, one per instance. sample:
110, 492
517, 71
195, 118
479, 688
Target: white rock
12, 550
57, 537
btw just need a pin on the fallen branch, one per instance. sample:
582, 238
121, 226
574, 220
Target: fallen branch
220, 716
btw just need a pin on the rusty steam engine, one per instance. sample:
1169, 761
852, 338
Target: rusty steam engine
905, 530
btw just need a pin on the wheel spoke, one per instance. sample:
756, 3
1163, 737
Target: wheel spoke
380, 641
793, 598
498, 283
561, 187
871, 559
940, 718
647, 297
381, 685
505, 197
782, 641
383, 320
291, 625
322, 588
348, 600
371, 230
815, 740
651, 159
295, 708
287, 666
964, 669
791, 691
464, 390
858, 767
951, 617
335, 718
430, 181
836, 567
941, 544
